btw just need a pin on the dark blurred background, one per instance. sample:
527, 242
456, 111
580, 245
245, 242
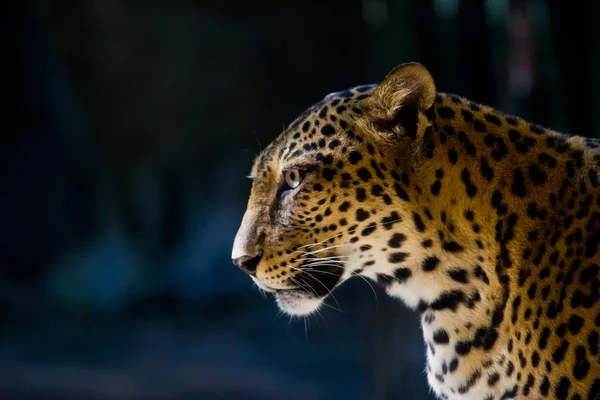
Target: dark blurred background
128, 129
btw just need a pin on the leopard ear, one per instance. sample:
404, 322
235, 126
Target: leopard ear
407, 91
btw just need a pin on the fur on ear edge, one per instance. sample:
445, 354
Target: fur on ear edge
395, 105
408, 85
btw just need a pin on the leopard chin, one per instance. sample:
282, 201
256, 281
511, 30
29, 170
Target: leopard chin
298, 302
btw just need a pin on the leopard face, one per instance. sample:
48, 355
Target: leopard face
484, 223
319, 192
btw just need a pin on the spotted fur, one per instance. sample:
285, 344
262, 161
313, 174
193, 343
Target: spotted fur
484, 223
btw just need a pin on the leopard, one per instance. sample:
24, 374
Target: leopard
484, 223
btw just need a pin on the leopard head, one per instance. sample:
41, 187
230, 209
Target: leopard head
329, 192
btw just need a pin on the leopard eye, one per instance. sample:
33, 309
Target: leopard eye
293, 178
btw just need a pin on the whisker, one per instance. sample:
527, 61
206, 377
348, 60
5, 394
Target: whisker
342, 267
326, 248
257, 140
332, 263
372, 289
326, 288
336, 259
305, 287
305, 328
318, 313
332, 307
312, 257
321, 258
316, 319
320, 266
322, 272
320, 262
262, 292
279, 314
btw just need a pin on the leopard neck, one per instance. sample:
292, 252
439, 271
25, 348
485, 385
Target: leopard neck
474, 207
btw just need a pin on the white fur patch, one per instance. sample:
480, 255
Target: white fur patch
295, 302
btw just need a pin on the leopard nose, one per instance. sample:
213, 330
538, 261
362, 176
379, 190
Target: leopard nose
248, 263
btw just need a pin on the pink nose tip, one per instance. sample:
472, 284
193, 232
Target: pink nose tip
248, 263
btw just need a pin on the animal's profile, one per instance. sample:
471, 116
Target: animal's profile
484, 223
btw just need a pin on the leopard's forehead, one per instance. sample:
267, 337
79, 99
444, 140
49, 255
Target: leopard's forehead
315, 131
336, 100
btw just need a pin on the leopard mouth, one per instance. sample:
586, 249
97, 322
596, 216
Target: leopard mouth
318, 282
309, 291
